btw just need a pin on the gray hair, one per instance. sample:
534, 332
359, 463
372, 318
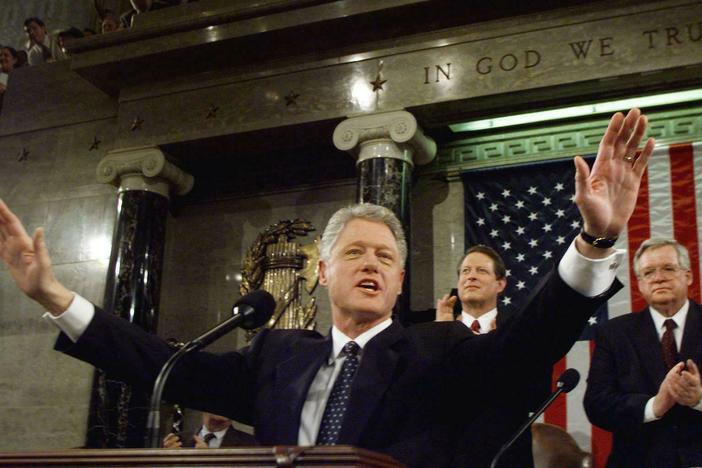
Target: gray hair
365, 211
658, 242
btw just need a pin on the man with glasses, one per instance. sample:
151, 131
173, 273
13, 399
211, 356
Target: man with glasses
644, 383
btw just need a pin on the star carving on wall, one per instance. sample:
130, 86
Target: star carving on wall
136, 123
378, 83
95, 145
23, 155
212, 112
291, 98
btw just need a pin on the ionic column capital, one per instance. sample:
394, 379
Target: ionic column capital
144, 168
385, 135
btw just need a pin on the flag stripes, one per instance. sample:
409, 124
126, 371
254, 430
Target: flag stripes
501, 211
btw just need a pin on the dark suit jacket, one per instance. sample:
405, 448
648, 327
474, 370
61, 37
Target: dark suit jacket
405, 397
232, 438
511, 414
626, 371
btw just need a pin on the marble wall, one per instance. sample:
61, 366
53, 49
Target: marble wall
437, 238
205, 246
45, 394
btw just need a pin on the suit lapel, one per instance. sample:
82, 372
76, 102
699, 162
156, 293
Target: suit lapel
691, 346
293, 379
373, 378
235, 438
648, 346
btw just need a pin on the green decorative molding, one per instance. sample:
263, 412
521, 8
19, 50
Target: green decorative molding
554, 142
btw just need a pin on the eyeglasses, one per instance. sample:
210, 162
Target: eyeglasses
666, 271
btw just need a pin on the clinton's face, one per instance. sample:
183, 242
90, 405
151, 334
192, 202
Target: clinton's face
364, 272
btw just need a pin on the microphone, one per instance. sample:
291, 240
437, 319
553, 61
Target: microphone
249, 312
565, 383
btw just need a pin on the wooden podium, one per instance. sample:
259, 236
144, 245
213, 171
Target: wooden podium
278, 456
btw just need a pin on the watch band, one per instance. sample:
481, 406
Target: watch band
599, 242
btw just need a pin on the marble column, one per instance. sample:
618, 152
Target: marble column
145, 179
386, 146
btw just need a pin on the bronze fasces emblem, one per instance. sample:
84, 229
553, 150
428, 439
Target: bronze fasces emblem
286, 269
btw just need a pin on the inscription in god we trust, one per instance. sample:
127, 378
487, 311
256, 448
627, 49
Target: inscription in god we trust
592, 48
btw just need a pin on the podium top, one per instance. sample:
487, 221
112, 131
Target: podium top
278, 456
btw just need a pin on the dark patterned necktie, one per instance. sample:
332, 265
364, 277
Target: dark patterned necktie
475, 326
208, 437
339, 397
670, 350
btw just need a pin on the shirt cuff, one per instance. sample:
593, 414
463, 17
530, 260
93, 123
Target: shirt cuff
698, 407
74, 320
648, 411
589, 276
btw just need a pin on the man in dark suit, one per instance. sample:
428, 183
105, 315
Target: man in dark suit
482, 276
644, 382
370, 382
216, 431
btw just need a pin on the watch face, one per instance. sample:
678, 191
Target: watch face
599, 242
603, 242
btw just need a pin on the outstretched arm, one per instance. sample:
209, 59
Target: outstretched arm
30, 266
606, 194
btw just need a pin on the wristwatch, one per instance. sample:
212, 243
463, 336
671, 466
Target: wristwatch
599, 242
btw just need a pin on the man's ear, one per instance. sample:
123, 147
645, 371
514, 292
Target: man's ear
402, 281
503, 285
322, 267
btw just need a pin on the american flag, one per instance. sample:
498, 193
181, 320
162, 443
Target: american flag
527, 214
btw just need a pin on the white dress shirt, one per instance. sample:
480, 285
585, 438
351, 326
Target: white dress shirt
484, 320
216, 441
589, 277
321, 387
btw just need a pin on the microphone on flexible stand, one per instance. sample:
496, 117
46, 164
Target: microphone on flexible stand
565, 383
251, 311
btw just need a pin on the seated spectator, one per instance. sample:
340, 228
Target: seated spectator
110, 22
41, 47
9, 60
24, 59
142, 6
66, 36
216, 431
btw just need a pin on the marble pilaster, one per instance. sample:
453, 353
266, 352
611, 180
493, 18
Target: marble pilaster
386, 146
145, 179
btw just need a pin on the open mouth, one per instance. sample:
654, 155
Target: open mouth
368, 285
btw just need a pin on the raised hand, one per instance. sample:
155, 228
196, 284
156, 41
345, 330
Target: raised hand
200, 442
665, 399
444, 308
606, 194
30, 266
172, 441
686, 388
